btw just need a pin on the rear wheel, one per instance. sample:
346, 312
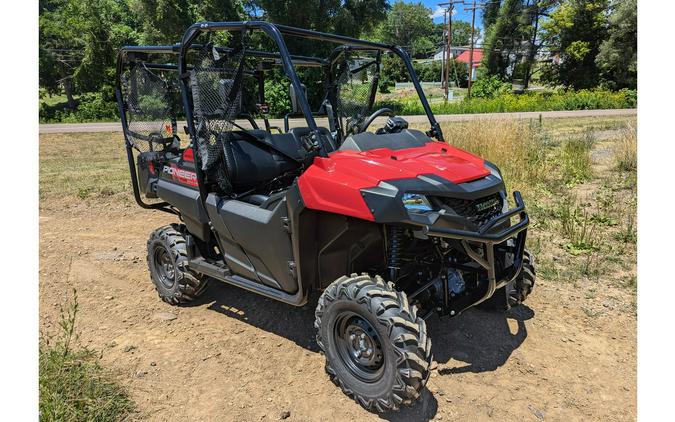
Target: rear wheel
377, 350
168, 265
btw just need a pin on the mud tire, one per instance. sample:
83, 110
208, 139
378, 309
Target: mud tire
168, 265
405, 348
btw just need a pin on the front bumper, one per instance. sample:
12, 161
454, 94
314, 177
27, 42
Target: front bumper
480, 245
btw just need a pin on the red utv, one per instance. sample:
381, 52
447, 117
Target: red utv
390, 222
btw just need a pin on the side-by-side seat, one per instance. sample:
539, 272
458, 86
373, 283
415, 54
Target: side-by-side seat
251, 163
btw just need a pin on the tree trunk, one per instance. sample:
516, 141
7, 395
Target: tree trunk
532, 54
68, 87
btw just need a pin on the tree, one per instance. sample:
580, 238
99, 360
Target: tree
410, 26
165, 21
346, 17
359, 17
533, 12
617, 57
504, 39
78, 44
491, 12
574, 32
461, 32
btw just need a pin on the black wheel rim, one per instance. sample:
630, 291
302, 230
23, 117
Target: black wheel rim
164, 266
359, 347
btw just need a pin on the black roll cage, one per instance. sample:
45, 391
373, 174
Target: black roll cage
286, 60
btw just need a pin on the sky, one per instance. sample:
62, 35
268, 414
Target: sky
460, 13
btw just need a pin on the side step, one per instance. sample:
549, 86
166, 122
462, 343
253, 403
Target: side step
222, 273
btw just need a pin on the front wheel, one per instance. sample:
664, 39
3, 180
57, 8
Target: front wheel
376, 347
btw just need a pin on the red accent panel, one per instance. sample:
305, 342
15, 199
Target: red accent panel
188, 155
333, 184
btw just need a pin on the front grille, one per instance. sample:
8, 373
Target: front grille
478, 211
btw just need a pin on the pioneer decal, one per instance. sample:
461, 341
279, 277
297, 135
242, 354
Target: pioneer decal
181, 176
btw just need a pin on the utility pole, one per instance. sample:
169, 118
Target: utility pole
447, 54
473, 32
444, 63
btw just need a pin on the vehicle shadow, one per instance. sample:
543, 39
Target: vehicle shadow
274, 317
423, 410
476, 341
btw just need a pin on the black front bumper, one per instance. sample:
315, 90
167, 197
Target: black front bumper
497, 231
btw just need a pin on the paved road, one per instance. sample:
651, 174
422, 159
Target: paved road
116, 127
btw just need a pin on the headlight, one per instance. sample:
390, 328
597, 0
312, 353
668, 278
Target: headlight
416, 202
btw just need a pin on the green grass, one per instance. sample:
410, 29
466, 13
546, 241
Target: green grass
72, 384
90, 107
577, 226
83, 166
56, 100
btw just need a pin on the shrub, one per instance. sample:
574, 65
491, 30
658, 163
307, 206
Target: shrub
278, 97
561, 100
429, 72
489, 87
92, 106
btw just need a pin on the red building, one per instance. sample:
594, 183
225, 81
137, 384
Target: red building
477, 57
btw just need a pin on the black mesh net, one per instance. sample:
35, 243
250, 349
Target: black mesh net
355, 89
216, 81
151, 98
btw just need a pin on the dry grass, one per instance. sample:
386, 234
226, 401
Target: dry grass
516, 147
625, 149
582, 207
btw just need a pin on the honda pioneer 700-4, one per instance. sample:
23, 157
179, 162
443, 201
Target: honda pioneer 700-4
391, 224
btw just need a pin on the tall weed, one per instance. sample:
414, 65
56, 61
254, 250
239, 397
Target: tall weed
625, 150
578, 226
575, 157
73, 386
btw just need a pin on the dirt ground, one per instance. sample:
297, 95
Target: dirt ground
235, 356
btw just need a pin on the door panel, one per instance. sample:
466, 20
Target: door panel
259, 235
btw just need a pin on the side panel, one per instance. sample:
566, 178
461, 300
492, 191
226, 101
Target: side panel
256, 244
328, 246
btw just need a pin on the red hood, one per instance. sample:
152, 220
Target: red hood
334, 183
377, 165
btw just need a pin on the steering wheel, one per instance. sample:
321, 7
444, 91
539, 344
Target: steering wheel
373, 116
